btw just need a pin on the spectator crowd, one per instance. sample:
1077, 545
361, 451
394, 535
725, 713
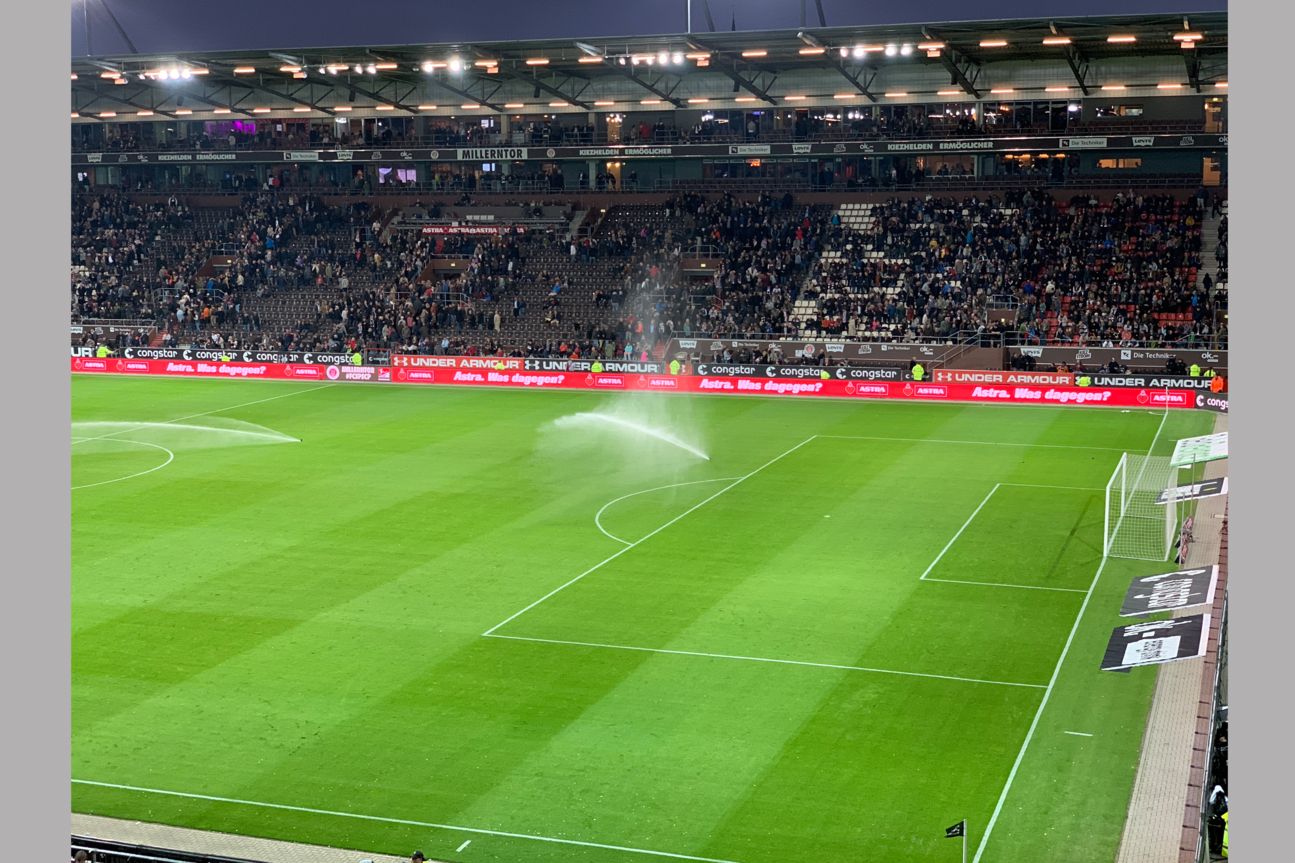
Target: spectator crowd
290, 272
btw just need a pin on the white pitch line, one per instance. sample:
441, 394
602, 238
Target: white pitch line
769, 660
464, 845
598, 515
170, 457
972, 442
1052, 682
950, 543
1059, 487
1029, 735
385, 820
1000, 584
206, 413
1078, 733
642, 539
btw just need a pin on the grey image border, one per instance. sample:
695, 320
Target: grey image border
36, 628
36, 634
1258, 258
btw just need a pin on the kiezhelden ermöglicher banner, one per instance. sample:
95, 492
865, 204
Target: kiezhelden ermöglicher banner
1170, 591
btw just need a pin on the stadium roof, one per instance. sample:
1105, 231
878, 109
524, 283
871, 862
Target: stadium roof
781, 67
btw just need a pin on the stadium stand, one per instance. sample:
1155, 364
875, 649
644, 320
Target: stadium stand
285, 271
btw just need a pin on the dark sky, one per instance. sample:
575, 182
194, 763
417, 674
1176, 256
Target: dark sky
159, 26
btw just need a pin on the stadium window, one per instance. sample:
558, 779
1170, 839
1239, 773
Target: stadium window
1119, 164
1111, 112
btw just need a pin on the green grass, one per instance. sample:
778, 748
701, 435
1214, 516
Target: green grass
301, 624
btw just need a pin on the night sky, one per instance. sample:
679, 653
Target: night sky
159, 26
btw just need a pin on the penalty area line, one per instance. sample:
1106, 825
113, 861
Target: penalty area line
965, 525
403, 821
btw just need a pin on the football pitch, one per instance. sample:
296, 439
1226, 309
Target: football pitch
391, 617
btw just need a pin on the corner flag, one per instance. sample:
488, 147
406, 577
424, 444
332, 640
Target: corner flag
958, 830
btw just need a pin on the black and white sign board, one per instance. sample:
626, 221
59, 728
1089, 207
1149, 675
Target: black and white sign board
1156, 641
1170, 591
1205, 488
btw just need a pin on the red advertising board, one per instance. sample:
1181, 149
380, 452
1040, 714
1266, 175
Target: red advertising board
474, 230
506, 372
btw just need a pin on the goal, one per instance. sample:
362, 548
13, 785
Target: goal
1141, 508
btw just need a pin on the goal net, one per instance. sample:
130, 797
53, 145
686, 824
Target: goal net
1141, 508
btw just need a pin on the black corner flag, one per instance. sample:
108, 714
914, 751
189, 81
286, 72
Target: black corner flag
956, 831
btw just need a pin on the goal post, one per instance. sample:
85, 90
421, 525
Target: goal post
1141, 516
